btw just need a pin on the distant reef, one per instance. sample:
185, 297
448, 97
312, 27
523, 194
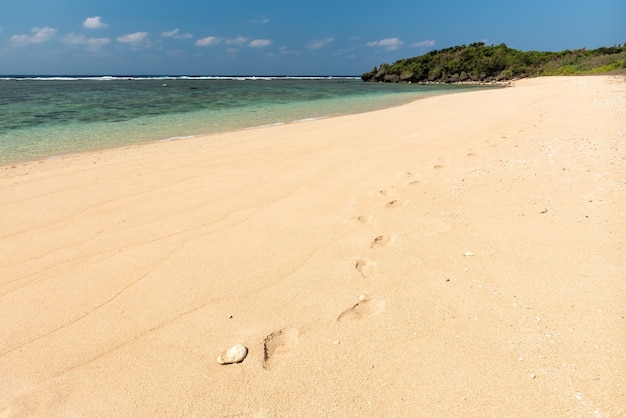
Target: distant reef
479, 63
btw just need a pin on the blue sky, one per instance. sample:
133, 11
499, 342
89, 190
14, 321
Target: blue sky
281, 37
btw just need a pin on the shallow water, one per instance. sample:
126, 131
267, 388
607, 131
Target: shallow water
47, 116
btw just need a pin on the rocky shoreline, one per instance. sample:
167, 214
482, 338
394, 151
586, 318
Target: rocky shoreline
383, 74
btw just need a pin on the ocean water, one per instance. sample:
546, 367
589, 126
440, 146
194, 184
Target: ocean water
42, 117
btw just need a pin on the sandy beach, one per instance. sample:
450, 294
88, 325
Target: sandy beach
462, 255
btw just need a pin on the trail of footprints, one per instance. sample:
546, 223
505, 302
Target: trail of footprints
278, 345
370, 306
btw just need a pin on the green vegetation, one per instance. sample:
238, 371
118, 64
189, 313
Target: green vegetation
481, 63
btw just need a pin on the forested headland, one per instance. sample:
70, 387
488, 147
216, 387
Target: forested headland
481, 63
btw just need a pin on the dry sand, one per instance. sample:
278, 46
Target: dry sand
462, 255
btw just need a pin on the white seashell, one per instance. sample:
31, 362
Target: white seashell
234, 354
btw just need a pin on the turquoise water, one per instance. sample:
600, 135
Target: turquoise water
42, 117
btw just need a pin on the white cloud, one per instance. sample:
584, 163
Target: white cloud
262, 20
389, 44
132, 38
319, 43
94, 23
259, 43
169, 33
40, 35
237, 41
93, 44
208, 41
176, 34
424, 44
286, 51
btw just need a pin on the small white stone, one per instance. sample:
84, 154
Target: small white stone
469, 254
234, 354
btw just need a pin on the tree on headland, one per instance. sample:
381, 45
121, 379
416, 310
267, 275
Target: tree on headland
478, 62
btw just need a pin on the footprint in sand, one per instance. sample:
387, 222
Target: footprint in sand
366, 267
364, 219
277, 347
381, 241
394, 203
438, 163
360, 220
412, 178
364, 308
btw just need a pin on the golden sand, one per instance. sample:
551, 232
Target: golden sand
462, 255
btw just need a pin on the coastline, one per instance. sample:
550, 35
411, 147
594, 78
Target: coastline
459, 255
65, 115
